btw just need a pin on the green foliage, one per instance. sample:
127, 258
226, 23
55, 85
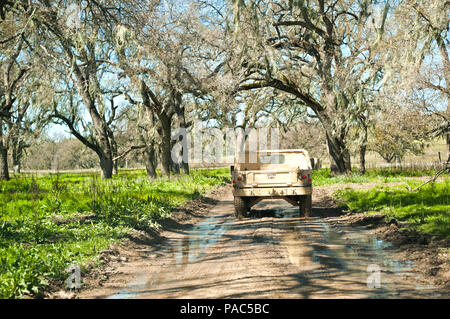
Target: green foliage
427, 210
42, 230
323, 176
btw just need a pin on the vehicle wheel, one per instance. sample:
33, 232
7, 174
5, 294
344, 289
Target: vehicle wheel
305, 205
240, 207
249, 202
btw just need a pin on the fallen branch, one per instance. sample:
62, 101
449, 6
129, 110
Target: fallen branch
446, 169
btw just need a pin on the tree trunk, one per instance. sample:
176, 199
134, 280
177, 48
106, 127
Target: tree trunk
166, 156
339, 156
182, 122
114, 152
335, 131
150, 161
448, 146
15, 156
4, 172
165, 119
362, 159
106, 165
105, 140
363, 145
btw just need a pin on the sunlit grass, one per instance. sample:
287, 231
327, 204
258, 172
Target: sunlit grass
427, 210
34, 248
323, 176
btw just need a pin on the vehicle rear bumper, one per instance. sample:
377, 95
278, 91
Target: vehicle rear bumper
273, 191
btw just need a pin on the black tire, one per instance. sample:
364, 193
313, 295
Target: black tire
305, 205
249, 202
240, 207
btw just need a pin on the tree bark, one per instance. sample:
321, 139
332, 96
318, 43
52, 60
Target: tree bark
335, 130
152, 104
106, 151
182, 123
363, 145
17, 147
87, 83
150, 161
114, 154
14, 156
362, 159
4, 171
339, 156
106, 165
166, 158
150, 152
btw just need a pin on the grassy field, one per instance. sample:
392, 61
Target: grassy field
322, 177
427, 209
51, 221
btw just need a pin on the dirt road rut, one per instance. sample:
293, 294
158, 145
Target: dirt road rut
273, 254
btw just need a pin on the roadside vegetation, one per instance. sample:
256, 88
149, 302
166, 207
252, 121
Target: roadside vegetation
52, 221
425, 210
323, 177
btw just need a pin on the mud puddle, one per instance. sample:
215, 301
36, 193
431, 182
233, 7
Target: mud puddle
323, 252
183, 250
198, 239
275, 254
132, 289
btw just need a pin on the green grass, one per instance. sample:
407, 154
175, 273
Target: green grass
36, 249
322, 177
427, 210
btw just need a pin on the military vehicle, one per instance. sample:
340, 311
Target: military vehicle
270, 174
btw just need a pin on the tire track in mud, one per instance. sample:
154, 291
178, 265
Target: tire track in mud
274, 254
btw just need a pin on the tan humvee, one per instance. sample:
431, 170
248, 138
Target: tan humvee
285, 174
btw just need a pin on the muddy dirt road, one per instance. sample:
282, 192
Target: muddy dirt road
273, 254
